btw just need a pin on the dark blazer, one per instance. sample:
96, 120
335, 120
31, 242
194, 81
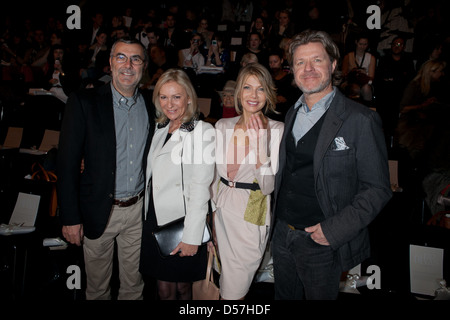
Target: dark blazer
88, 132
352, 185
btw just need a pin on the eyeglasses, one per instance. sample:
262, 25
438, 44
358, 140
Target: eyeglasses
135, 60
398, 44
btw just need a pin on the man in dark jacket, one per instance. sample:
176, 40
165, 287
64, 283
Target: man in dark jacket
332, 182
105, 132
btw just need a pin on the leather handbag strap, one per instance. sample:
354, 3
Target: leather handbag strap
209, 273
47, 175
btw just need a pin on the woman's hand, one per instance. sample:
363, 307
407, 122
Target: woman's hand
258, 136
185, 250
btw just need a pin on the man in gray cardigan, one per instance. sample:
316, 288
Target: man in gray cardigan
333, 178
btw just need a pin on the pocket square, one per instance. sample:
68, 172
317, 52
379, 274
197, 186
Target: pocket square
339, 144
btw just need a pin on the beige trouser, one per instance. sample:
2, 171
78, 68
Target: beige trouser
124, 227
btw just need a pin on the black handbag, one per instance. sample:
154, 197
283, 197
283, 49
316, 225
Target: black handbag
170, 235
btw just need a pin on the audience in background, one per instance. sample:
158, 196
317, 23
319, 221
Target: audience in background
287, 91
188, 36
406, 61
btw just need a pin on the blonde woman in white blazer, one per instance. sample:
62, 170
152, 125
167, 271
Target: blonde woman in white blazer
179, 171
246, 163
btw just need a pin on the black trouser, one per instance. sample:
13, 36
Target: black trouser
303, 269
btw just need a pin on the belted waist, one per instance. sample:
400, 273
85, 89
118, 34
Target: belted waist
240, 185
128, 202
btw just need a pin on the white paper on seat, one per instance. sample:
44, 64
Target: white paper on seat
13, 138
49, 141
204, 105
222, 27
426, 269
236, 41
26, 210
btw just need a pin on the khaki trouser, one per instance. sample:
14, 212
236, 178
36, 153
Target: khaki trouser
124, 227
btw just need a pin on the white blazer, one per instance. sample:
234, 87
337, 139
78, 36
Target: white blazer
182, 170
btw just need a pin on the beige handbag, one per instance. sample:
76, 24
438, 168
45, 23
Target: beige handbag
206, 289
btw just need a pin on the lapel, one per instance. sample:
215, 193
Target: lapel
289, 124
106, 113
151, 117
152, 123
158, 147
331, 125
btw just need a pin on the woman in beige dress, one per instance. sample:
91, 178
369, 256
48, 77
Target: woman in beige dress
246, 162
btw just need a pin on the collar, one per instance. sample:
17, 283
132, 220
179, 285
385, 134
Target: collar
186, 126
118, 97
322, 103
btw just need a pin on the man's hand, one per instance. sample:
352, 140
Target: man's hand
73, 234
317, 235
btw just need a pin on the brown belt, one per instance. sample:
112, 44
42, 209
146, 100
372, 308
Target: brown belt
128, 202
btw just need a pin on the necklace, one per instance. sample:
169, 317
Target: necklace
359, 65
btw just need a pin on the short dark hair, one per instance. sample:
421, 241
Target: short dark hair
128, 40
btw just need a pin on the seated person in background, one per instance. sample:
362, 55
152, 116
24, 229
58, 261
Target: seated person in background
255, 46
425, 89
142, 34
248, 58
422, 99
284, 45
192, 57
431, 50
153, 37
287, 93
119, 33
172, 37
225, 108
202, 29
259, 25
98, 64
157, 66
394, 71
243, 61
218, 53
358, 70
117, 28
60, 75
283, 28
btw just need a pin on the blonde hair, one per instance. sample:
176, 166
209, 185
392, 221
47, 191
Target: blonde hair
423, 77
181, 78
248, 58
264, 77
